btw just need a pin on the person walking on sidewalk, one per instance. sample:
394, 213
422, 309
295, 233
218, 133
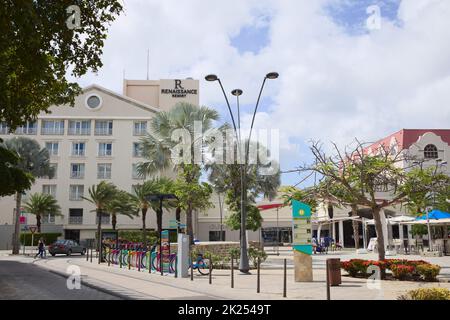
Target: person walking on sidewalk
41, 248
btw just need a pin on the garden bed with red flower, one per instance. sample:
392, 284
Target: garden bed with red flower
400, 269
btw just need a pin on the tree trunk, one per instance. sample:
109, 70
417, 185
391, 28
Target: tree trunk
379, 230
114, 221
38, 222
99, 231
355, 225
16, 235
189, 228
144, 227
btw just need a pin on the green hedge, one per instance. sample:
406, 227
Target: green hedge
47, 236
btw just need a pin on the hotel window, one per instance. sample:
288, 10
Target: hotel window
52, 127
431, 152
52, 147
76, 192
78, 149
77, 170
134, 173
103, 128
4, 129
105, 149
30, 128
137, 150
49, 189
104, 171
80, 127
75, 216
140, 128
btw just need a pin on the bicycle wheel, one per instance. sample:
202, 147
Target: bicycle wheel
203, 266
173, 264
155, 262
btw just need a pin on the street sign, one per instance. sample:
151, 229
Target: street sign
23, 220
301, 227
32, 229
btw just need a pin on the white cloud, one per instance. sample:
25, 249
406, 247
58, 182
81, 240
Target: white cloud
333, 86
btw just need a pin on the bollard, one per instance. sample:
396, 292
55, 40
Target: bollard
328, 279
210, 270
109, 257
149, 262
129, 260
91, 255
258, 283
232, 272
139, 261
176, 268
87, 254
284, 280
120, 259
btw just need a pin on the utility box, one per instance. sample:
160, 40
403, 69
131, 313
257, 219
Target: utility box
334, 271
183, 256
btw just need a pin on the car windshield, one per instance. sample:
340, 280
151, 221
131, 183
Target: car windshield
60, 242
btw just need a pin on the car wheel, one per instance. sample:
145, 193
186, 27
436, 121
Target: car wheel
83, 252
53, 254
69, 252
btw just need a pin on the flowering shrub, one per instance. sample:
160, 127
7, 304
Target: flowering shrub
427, 294
428, 272
400, 268
401, 271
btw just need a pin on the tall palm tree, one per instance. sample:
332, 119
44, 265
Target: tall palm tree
33, 160
100, 195
158, 145
123, 204
141, 191
40, 204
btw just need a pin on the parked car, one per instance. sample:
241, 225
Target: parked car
66, 247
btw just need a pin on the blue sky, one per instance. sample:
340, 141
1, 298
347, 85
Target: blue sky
338, 79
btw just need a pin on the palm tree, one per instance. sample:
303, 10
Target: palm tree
124, 204
141, 191
158, 145
34, 161
100, 195
40, 204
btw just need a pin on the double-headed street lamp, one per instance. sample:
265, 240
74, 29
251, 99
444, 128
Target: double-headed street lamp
243, 261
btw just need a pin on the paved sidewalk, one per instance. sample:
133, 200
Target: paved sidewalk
142, 285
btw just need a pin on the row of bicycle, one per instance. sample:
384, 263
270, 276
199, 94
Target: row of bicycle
140, 259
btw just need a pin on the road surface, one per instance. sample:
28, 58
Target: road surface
27, 281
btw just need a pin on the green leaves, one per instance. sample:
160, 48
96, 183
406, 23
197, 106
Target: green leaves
37, 48
41, 203
13, 179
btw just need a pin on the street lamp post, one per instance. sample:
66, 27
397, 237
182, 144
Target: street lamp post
243, 261
439, 162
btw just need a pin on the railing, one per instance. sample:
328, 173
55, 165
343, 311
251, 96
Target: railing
139, 132
79, 132
52, 131
105, 220
103, 131
76, 220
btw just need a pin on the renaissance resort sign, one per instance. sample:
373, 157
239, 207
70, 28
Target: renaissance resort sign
179, 90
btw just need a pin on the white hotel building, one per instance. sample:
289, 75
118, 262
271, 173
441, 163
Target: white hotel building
95, 140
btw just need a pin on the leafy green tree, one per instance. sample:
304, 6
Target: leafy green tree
13, 179
39, 42
122, 204
41, 204
100, 196
35, 162
192, 194
160, 147
227, 177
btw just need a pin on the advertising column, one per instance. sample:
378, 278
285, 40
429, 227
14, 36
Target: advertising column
302, 244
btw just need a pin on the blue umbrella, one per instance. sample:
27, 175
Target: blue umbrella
435, 215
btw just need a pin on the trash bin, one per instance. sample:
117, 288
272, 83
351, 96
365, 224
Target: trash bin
334, 271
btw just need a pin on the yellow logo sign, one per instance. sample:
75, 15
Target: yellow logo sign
301, 212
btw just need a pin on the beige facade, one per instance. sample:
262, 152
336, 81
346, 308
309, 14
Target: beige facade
97, 140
